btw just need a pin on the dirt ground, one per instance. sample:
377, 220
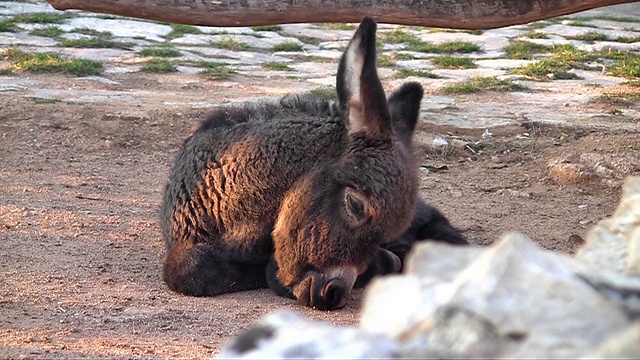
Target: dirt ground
80, 188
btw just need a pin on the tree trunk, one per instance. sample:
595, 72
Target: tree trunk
461, 14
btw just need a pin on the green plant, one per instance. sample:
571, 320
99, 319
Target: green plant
216, 70
591, 37
385, 61
39, 100
327, 92
7, 25
49, 31
405, 73
627, 65
339, 26
274, 28
627, 40
50, 62
518, 49
274, 65
160, 51
481, 83
535, 35
41, 18
92, 32
231, 44
445, 47
287, 46
452, 62
580, 23
398, 37
157, 65
179, 30
96, 43
404, 56
562, 59
609, 18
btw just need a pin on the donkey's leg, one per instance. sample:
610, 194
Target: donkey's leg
428, 224
384, 262
274, 283
199, 270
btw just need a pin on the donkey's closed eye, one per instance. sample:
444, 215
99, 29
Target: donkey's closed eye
356, 207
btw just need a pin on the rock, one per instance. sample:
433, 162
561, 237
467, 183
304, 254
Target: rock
625, 345
584, 168
513, 300
286, 335
614, 243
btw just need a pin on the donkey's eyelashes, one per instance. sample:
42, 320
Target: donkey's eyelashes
356, 206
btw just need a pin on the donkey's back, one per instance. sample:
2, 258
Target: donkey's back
234, 168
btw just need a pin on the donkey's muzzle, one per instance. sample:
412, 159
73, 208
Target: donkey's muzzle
326, 291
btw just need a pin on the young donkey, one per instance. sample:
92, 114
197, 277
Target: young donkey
307, 196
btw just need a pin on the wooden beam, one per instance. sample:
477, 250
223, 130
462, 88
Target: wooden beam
460, 14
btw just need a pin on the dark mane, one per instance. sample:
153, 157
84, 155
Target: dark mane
228, 116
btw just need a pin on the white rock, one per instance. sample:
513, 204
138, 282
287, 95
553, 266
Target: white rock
614, 243
528, 300
286, 335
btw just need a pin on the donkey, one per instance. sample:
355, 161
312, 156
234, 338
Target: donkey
307, 196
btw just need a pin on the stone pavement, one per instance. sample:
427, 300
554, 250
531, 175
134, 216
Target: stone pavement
318, 48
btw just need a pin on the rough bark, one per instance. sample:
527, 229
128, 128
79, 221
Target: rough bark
461, 14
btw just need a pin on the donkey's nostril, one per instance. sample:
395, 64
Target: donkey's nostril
333, 294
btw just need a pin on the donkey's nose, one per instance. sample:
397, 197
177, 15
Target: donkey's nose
333, 295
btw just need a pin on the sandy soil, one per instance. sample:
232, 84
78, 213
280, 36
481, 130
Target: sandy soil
80, 187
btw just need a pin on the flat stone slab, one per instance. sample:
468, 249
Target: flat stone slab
84, 96
119, 27
252, 41
14, 8
12, 39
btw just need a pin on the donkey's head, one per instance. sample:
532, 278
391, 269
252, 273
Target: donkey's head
333, 220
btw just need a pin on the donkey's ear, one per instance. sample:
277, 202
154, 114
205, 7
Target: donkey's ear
404, 107
358, 85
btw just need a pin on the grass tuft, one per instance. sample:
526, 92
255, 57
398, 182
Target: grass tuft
158, 65
562, 59
50, 63
8, 25
41, 18
326, 92
96, 43
287, 46
164, 51
482, 83
591, 37
216, 70
275, 65
453, 62
274, 28
399, 37
49, 31
339, 26
231, 44
385, 61
179, 30
445, 47
518, 49
405, 73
